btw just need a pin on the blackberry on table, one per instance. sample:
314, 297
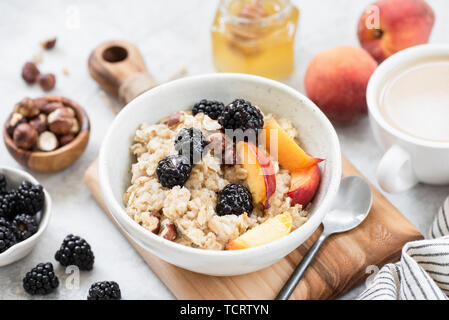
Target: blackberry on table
3, 183
24, 226
190, 143
173, 171
212, 108
241, 114
7, 235
76, 251
41, 279
104, 290
31, 197
234, 199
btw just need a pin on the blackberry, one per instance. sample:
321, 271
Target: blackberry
190, 143
212, 108
31, 197
76, 251
241, 114
24, 226
7, 235
41, 279
104, 290
10, 204
3, 184
173, 171
234, 199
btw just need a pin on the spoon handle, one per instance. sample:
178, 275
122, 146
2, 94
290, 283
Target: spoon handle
296, 276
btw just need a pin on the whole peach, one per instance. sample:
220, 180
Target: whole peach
336, 81
389, 26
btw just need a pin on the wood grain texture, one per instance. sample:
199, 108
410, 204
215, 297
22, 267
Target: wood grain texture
60, 158
115, 62
340, 264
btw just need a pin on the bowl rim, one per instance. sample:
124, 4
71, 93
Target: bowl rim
45, 215
114, 205
84, 124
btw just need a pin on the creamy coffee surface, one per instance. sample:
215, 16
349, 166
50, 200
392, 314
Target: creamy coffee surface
416, 100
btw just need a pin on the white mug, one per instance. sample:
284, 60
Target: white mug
407, 160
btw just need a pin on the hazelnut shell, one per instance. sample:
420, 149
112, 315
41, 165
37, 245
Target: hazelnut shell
25, 136
61, 121
47, 81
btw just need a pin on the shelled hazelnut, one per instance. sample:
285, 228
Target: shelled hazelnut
13, 122
168, 230
42, 125
25, 136
27, 108
47, 141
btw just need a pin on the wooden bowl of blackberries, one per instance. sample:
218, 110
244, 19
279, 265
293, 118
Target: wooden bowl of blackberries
47, 134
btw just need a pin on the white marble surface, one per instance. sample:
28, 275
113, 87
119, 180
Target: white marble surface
171, 34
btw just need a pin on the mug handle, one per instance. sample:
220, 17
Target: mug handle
395, 172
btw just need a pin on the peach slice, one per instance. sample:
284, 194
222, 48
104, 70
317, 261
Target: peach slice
285, 149
261, 178
304, 184
272, 229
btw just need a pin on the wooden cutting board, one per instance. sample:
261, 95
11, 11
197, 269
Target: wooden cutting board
340, 265
120, 69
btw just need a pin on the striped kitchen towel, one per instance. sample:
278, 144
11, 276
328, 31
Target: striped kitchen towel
423, 271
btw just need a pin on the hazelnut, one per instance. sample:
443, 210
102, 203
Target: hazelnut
14, 120
49, 107
216, 141
174, 119
168, 230
61, 121
47, 81
71, 111
49, 43
66, 139
39, 123
75, 127
30, 72
40, 103
25, 136
152, 222
47, 141
27, 108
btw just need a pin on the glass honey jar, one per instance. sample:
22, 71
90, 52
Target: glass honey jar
255, 36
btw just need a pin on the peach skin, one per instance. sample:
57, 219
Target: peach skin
304, 184
261, 178
401, 24
336, 81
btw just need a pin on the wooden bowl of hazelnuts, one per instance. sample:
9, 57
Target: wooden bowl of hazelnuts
47, 134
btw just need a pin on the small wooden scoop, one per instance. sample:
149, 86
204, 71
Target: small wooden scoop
119, 69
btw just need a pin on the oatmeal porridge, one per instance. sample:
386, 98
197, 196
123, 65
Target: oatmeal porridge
192, 182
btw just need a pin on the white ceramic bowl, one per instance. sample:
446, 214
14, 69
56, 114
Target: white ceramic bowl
316, 134
14, 177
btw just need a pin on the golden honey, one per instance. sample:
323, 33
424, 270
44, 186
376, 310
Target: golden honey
255, 36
